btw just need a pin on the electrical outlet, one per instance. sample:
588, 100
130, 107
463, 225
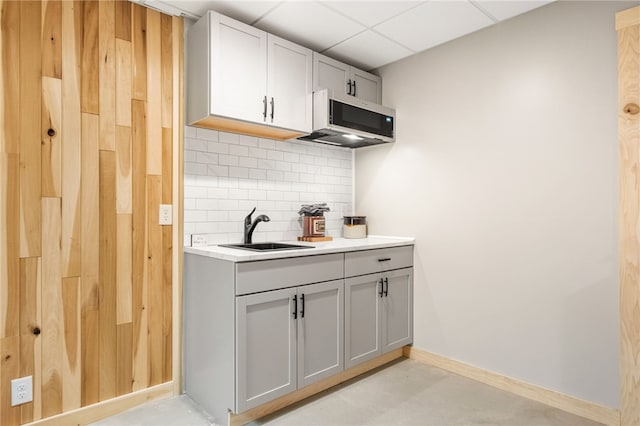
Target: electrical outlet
21, 390
165, 214
198, 240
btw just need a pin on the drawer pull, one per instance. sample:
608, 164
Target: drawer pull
295, 307
384, 259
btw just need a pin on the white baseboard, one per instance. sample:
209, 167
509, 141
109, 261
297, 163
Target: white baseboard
579, 407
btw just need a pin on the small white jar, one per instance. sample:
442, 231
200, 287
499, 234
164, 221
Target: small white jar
354, 227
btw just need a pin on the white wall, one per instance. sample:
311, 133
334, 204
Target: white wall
226, 175
505, 171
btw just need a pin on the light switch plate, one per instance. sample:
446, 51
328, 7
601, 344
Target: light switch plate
165, 214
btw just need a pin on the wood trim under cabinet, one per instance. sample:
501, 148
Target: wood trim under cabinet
111, 407
570, 404
300, 394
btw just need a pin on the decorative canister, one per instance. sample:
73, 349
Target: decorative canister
314, 226
354, 227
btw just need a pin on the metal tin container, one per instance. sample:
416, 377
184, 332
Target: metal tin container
354, 227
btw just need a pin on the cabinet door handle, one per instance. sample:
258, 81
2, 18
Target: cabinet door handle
295, 306
354, 87
384, 259
349, 84
264, 111
381, 287
272, 109
302, 310
386, 291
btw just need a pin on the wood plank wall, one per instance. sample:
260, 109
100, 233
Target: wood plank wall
628, 27
87, 127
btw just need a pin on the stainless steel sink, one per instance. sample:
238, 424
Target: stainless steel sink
266, 246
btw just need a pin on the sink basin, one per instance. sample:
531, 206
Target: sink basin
266, 246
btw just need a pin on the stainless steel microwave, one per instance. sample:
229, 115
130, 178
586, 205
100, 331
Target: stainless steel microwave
339, 119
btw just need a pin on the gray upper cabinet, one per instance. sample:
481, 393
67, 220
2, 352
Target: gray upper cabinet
340, 77
239, 76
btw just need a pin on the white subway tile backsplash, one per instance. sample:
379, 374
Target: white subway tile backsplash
207, 134
239, 172
230, 138
267, 143
226, 175
217, 170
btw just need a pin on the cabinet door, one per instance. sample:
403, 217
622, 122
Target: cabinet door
289, 85
265, 347
330, 74
368, 87
320, 331
397, 309
362, 319
238, 69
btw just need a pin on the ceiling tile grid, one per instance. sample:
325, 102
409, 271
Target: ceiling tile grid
365, 33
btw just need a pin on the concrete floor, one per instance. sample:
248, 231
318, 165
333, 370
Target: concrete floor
405, 392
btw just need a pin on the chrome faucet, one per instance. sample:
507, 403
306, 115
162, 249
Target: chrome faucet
249, 226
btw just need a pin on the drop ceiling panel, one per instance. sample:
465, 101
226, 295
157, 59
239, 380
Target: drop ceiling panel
310, 24
371, 13
245, 11
434, 23
508, 9
368, 50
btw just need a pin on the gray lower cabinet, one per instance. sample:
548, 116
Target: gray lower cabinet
378, 314
287, 339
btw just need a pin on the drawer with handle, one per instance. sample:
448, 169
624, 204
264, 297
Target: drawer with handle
378, 260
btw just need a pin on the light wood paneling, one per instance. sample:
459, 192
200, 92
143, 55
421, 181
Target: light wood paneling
51, 137
52, 308
30, 110
123, 20
90, 58
139, 258
71, 137
124, 191
125, 357
107, 88
52, 38
123, 82
30, 343
155, 276
166, 76
83, 259
89, 292
10, 368
178, 200
9, 246
124, 274
154, 95
628, 25
10, 77
107, 282
139, 49
71, 368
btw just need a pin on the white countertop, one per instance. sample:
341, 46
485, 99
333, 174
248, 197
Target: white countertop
338, 245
